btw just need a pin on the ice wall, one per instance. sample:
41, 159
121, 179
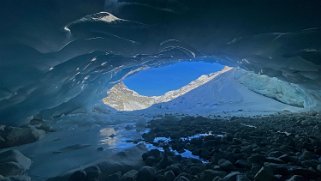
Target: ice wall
58, 58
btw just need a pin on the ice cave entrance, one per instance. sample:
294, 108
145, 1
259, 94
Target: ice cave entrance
159, 84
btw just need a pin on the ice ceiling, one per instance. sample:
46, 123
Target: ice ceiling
58, 57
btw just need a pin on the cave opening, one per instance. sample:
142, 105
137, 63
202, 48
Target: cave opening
155, 85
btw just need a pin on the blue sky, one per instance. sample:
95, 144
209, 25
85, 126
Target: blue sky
157, 81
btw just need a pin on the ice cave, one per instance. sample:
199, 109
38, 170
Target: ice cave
68, 110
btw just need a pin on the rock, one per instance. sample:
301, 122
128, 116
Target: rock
274, 160
93, 173
17, 178
15, 156
2, 142
12, 162
275, 154
40, 124
282, 169
152, 157
195, 170
175, 168
169, 175
217, 178
181, 178
306, 155
225, 164
319, 167
129, 176
242, 177
310, 163
256, 158
264, 174
11, 168
296, 178
161, 177
15, 136
114, 177
129, 127
306, 173
241, 164
287, 158
146, 173
208, 175
78, 176
231, 176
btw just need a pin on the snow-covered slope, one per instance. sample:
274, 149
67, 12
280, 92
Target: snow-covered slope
123, 99
224, 95
230, 91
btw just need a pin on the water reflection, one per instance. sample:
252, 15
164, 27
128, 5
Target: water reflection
108, 136
119, 139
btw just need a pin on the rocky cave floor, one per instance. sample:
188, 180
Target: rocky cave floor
280, 147
276, 147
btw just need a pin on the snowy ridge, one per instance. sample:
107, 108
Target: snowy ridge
123, 99
229, 91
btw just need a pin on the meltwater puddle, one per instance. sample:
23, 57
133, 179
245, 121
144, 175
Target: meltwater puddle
201, 135
187, 153
119, 138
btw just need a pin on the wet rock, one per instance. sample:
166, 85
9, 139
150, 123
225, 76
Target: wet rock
15, 136
93, 173
13, 162
169, 175
176, 168
307, 173
242, 164
40, 124
306, 155
264, 174
242, 177
282, 169
296, 178
274, 160
231, 176
209, 174
225, 164
217, 178
11, 168
129, 176
256, 158
195, 170
181, 178
17, 178
152, 157
275, 154
146, 173
310, 163
15, 156
78, 176
114, 177
287, 158
2, 141
129, 127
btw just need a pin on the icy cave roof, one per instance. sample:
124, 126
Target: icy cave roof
58, 54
